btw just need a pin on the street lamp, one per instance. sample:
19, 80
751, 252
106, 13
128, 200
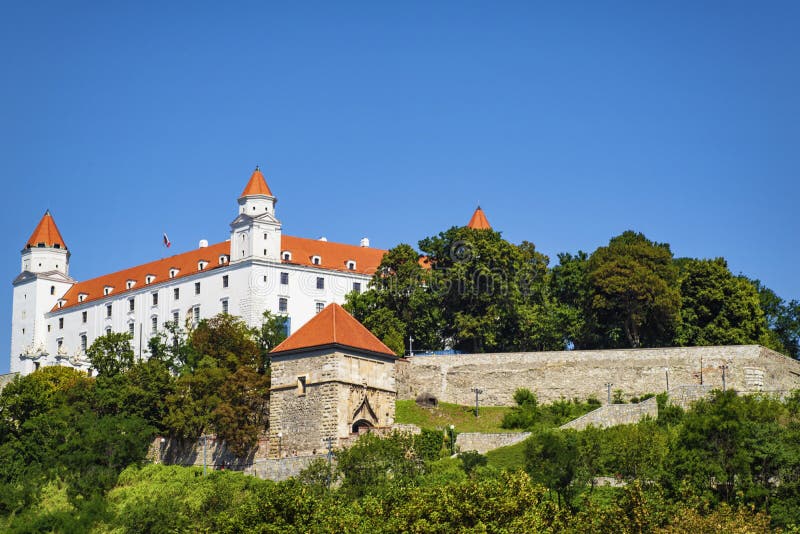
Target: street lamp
476, 391
723, 367
608, 391
452, 439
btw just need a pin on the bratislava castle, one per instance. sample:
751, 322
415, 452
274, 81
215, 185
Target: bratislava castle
55, 318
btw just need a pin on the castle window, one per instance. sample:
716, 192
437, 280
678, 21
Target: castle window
154, 324
52, 290
197, 288
48, 327
149, 279
108, 330
265, 252
225, 306
196, 315
357, 287
81, 297
130, 283
351, 265
56, 245
84, 316
320, 306
223, 259
265, 236
107, 290
173, 273
108, 310
176, 317
225, 281
89, 371
301, 385
83, 343
316, 260
286, 255
176, 293
283, 304
36, 366
59, 342
131, 328
131, 304
61, 323
285, 278
201, 265
155, 299
320, 283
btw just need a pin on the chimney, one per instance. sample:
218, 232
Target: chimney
365, 242
203, 243
323, 238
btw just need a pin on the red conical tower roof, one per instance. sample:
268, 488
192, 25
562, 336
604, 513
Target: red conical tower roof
479, 221
334, 326
257, 185
46, 232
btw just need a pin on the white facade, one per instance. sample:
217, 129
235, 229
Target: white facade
56, 318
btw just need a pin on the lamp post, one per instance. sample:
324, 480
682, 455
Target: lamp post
476, 391
608, 391
452, 439
666, 374
723, 367
204, 437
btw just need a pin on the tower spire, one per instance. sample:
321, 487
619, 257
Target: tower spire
46, 234
479, 220
257, 185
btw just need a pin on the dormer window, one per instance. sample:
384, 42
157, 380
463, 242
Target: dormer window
223, 259
82, 297
149, 279
130, 283
107, 290
351, 265
174, 272
316, 260
286, 255
201, 265
61, 303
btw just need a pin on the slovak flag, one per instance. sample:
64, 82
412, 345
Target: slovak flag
166, 241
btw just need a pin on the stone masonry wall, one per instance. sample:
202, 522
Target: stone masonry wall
6, 379
477, 441
615, 414
568, 374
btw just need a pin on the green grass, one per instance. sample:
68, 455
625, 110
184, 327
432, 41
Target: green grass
462, 417
511, 457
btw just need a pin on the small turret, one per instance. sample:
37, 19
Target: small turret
256, 232
479, 220
45, 250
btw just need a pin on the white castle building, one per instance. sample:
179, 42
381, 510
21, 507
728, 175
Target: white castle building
55, 318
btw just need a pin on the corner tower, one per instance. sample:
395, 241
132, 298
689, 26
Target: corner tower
479, 220
256, 231
44, 278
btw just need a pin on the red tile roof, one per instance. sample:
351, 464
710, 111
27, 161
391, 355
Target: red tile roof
333, 326
46, 232
334, 256
257, 185
479, 221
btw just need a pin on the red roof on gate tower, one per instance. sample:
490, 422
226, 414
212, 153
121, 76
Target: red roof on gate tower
333, 326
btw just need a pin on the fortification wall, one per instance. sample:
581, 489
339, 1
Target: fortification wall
615, 414
482, 443
7, 379
580, 373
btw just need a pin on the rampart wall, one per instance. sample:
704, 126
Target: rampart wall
581, 373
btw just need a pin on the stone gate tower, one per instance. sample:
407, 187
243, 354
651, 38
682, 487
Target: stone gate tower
330, 379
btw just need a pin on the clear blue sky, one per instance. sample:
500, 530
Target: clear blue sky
569, 122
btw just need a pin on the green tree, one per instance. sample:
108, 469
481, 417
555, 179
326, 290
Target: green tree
718, 308
635, 291
783, 319
111, 354
551, 459
268, 336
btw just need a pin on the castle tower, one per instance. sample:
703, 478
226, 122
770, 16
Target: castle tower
331, 379
256, 232
479, 220
44, 278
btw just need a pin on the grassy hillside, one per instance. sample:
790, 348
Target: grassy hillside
462, 417
510, 457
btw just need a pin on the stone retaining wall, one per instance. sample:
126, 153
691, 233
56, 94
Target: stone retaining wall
582, 373
615, 414
476, 441
6, 378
